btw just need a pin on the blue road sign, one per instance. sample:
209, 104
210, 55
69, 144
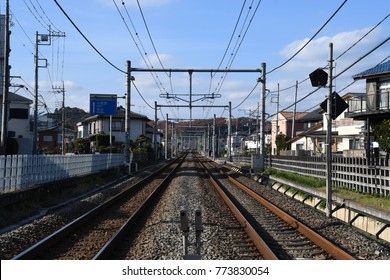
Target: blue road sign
102, 104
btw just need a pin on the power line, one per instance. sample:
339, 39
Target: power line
86, 39
139, 93
44, 24
150, 36
304, 46
231, 37
365, 35
247, 96
240, 39
350, 66
140, 46
348, 49
43, 11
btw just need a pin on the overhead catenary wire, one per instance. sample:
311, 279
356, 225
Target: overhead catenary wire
240, 38
142, 51
150, 36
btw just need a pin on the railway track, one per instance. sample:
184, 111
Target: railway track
127, 227
276, 234
93, 234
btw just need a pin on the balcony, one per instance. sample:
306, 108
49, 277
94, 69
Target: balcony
373, 106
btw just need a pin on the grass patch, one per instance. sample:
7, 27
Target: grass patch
371, 200
297, 178
375, 201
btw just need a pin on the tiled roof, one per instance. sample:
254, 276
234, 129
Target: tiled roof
16, 97
383, 68
290, 115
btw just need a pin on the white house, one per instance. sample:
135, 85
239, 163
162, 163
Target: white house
100, 124
347, 133
19, 121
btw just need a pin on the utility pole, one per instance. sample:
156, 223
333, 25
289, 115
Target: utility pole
213, 146
61, 89
155, 131
166, 138
329, 138
5, 80
294, 111
40, 39
127, 114
277, 114
262, 125
229, 151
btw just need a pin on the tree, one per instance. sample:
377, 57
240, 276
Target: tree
382, 135
281, 142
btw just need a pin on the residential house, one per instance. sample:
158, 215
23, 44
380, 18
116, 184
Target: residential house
50, 139
286, 123
374, 105
252, 141
19, 125
100, 124
310, 139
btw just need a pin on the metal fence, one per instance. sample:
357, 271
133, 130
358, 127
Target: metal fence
21, 171
358, 174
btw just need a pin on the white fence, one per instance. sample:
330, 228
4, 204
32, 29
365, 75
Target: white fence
357, 174
21, 171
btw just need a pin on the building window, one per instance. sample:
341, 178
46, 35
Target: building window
18, 113
116, 126
47, 138
384, 92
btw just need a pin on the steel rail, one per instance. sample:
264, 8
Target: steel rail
316, 238
45, 243
252, 233
122, 231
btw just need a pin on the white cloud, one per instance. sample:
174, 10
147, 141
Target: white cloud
316, 53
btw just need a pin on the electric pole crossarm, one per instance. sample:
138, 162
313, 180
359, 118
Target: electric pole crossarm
197, 70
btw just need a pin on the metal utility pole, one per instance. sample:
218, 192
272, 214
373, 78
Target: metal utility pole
213, 146
172, 142
229, 151
262, 126
127, 113
257, 127
166, 138
61, 89
295, 110
155, 131
329, 139
40, 39
277, 116
5, 89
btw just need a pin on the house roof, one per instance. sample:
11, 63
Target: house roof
290, 115
308, 132
58, 128
120, 114
312, 116
16, 97
380, 69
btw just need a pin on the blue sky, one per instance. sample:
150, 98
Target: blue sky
193, 34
